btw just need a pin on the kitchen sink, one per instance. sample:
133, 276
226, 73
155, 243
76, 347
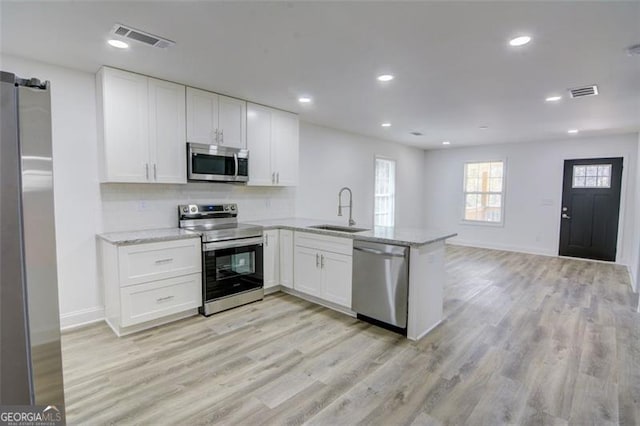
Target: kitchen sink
339, 228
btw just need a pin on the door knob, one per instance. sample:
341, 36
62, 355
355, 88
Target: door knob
565, 216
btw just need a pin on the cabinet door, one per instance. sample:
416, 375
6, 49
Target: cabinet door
259, 145
307, 272
336, 278
286, 258
232, 122
124, 139
271, 255
284, 148
167, 131
202, 116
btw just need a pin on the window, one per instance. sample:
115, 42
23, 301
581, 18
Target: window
484, 192
385, 192
592, 176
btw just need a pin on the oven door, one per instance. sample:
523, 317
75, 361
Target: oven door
232, 267
217, 164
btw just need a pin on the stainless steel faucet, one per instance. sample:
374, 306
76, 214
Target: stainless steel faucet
350, 205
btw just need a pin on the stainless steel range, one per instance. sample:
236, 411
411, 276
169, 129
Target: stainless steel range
232, 268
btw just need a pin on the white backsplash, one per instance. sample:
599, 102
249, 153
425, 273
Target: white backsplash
128, 207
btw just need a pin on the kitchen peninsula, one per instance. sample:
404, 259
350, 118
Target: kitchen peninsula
286, 239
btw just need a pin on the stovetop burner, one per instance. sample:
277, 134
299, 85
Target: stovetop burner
216, 222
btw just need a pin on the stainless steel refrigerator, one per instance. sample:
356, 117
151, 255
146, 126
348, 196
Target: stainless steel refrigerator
30, 357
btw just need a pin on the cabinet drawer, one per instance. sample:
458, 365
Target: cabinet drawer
153, 261
149, 301
324, 242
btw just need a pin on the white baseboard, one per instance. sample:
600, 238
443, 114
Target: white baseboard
517, 249
503, 247
81, 318
424, 333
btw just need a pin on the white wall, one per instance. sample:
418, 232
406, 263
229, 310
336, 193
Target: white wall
139, 206
331, 159
634, 264
76, 188
533, 191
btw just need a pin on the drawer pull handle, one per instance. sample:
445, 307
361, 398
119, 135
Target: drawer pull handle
161, 261
163, 299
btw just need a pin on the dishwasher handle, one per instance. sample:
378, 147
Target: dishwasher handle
379, 252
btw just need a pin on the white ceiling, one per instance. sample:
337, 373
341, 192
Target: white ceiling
454, 69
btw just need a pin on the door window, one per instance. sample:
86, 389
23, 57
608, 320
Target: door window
592, 176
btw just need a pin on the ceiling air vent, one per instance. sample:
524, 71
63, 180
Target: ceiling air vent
141, 36
581, 92
416, 133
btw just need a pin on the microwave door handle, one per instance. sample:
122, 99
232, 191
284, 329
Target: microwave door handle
235, 160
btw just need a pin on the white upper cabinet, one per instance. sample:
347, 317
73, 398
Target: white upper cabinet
232, 122
202, 116
141, 128
284, 148
167, 129
216, 119
123, 128
259, 119
272, 140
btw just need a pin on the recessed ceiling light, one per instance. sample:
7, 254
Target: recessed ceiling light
386, 124
446, 143
118, 43
304, 99
385, 77
483, 127
416, 133
553, 98
572, 131
519, 41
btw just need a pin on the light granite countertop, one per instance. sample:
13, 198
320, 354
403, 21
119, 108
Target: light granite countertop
147, 236
414, 237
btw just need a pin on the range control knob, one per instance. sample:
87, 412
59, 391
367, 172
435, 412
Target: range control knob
226, 208
185, 209
233, 206
194, 209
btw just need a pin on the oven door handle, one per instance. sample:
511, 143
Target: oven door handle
231, 244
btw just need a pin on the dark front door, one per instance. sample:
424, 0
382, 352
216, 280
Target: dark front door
590, 208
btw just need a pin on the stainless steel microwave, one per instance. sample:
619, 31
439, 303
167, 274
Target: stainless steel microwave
213, 163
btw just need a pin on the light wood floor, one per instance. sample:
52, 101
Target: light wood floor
526, 340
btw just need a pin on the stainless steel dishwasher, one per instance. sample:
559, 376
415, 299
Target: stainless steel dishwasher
381, 284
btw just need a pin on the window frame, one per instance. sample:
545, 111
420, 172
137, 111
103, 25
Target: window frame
395, 180
503, 193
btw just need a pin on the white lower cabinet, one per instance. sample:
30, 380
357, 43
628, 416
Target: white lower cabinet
271, 257
336, 282
323, 267
150, 301
286, 258
307, 272
148, 284
278, 258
